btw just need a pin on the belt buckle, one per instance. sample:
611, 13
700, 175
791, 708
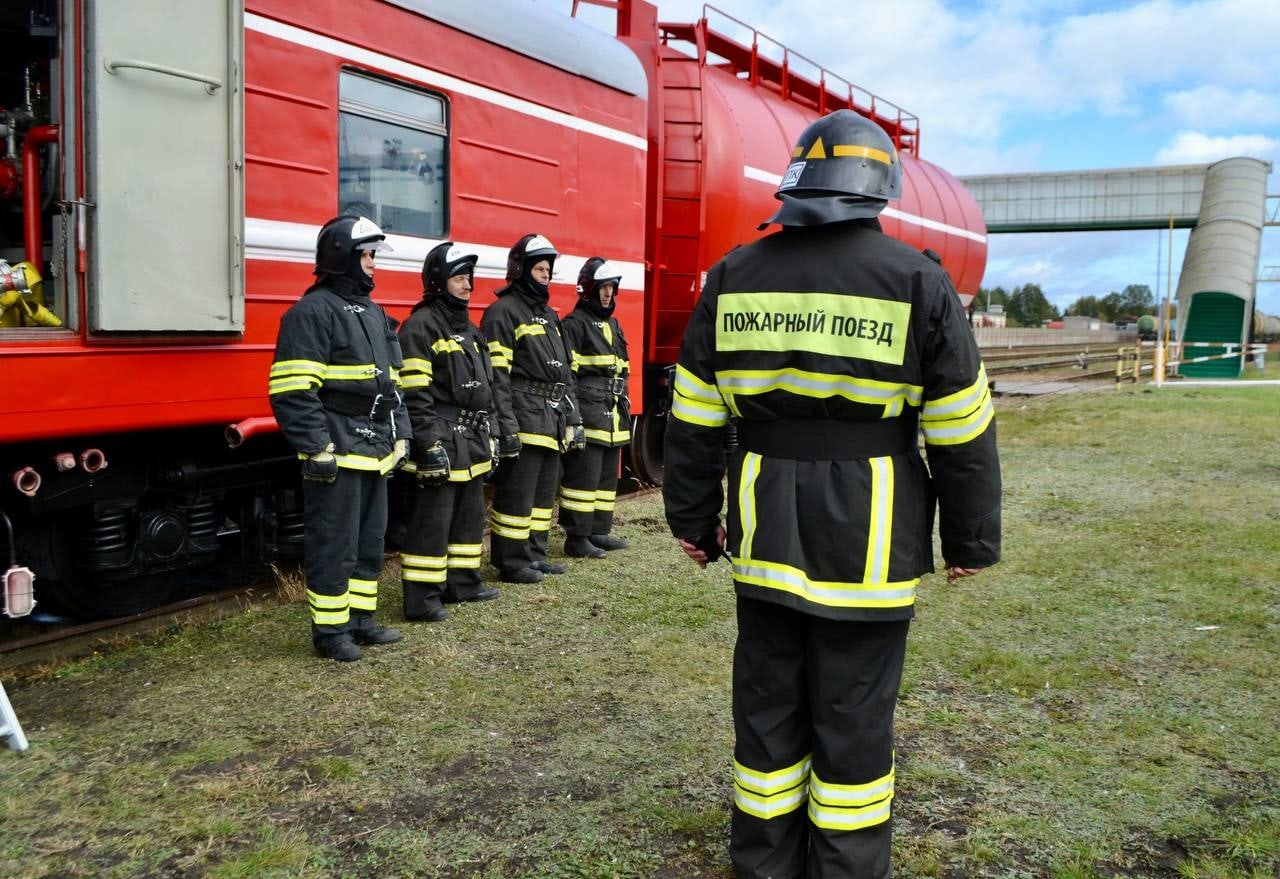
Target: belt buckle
618, 386
556, 394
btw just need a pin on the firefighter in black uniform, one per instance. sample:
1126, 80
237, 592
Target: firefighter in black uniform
537, 412
448, 383
335, 392
600, 366
830, 345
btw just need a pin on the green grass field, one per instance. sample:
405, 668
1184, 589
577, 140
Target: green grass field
1103, 703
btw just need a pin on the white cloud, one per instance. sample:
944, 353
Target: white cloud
1214, 106
1194, 147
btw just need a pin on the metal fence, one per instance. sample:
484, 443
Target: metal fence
1025, 337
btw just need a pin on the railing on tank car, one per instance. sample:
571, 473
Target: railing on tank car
828, 92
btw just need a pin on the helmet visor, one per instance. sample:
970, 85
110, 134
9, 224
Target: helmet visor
378, 245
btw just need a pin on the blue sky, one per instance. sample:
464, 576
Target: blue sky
1013, 86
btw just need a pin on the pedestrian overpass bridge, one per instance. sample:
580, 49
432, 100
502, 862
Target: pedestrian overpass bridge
1224, 204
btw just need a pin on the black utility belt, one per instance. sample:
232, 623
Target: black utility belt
616, 385
819, 439
476, 419
376, 406
553, 391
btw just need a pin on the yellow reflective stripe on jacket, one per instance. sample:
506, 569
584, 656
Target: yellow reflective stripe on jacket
747, 500
770, 794
441, 346
880, 537
537, 439
835, 324
295, 375
608, 436
523, 330
417, 372
349, 371
817, 384
850, 806
365, 463
960, 417
605, 360
785, 578
479, 468
500, 355
698, 402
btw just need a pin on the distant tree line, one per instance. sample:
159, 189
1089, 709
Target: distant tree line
1027, 306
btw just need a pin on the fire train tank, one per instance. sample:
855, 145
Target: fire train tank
163, 177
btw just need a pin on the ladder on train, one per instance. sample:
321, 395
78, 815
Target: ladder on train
10, 729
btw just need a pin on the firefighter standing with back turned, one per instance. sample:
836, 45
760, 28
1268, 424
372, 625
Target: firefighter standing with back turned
831, 344
589, 485
448, 383
335, 393
537, 412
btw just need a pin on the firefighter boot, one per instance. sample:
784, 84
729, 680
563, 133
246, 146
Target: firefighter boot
428, 611
522, 575
365, 631
608, 541
480, 592
547, 567
338, 646
580, 547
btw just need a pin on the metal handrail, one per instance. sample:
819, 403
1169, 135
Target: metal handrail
211, 84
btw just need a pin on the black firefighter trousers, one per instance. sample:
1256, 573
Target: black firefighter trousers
588, 490
521, 515
440, 551
813, 703
345, 521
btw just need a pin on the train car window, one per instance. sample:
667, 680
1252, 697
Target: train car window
392, 155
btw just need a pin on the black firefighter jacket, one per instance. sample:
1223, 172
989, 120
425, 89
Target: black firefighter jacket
831, 347
448, 387
528, 350
336, 377
601, 368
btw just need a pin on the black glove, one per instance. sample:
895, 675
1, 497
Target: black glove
433, 466
710, 545
579, 440
509, 446
320, 467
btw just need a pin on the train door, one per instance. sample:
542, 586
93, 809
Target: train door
163, 111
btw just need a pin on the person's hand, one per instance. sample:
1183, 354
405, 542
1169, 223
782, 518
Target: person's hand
398, 453
706, 548
321, 466
433, 467
509, 446
955, 572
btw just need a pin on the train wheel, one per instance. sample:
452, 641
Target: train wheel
48, 546
645, 451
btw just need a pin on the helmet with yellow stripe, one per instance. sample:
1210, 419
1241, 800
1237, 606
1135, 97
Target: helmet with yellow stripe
843, 167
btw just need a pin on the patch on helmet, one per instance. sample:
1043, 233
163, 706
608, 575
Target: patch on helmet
456, 253
537, 242
792, 177
364, 228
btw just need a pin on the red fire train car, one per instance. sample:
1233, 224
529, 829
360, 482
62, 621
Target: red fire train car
164, 176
